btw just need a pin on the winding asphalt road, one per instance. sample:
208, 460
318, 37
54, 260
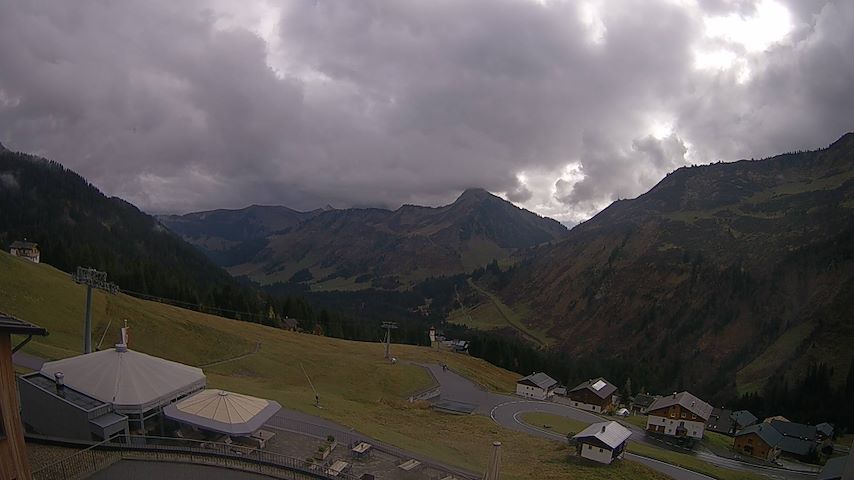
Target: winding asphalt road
506, 410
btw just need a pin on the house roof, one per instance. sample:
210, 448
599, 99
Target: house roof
720, 420
825, 429
10, 324
795, 430
796, 446
685, 400
744, 418
224, 412
643, 400
611, 434
538, 379
766, 432
129, 380
599, 386
23, 244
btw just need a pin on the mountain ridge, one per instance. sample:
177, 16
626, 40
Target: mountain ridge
459, 237
726, 257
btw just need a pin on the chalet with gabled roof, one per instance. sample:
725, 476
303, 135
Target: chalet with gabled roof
680, 415
641, 402
536, 385
799, 441
26, 250
602, 442
759, 441
594, 395
721, 421
743, 419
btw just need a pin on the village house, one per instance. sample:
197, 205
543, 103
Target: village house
595, 395
680, 415
640, 404
26, 250
799, 440
728, 422
759, 441
824, 431
536, 385
721, 421
602, 442
13, 452
742, 419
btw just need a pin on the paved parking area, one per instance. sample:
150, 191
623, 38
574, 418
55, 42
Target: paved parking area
143, 470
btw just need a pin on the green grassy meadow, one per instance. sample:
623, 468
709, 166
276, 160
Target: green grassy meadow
357, 387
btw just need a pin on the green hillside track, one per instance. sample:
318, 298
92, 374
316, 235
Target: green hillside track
357, 387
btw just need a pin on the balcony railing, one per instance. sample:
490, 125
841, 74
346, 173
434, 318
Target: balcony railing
97, 457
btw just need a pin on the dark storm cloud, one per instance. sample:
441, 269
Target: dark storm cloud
179, 106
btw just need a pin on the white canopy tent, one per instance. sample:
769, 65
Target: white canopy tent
224, 412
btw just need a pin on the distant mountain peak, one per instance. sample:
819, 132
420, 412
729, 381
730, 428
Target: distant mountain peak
843, 140
474, 194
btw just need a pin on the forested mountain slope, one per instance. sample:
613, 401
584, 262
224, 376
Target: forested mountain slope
693, 282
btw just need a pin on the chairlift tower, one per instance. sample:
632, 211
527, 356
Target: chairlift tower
388, 326
92, 279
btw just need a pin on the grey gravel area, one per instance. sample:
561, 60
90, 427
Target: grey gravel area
143, 470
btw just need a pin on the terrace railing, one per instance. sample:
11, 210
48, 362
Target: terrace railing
97, 457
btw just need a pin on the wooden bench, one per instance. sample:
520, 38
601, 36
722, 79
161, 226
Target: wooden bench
337, 468
409, 465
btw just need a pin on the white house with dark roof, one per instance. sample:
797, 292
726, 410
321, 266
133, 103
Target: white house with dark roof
679, 415
26, 250
536, 385
594, 395
602, 442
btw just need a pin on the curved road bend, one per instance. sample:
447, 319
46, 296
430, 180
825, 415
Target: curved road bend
505, 409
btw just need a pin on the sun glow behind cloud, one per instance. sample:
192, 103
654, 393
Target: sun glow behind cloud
770, 23
732, 40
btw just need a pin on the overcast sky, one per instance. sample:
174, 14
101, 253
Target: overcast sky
560, 106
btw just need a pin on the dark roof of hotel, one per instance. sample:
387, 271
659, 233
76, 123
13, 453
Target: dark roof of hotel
10, 324
70, 395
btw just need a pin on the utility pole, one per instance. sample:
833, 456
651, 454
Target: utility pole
316, 396
493, 470
92, 279
388, 326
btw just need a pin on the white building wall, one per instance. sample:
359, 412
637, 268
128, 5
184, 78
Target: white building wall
694, 429
597, 454
530, 392
586, 406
